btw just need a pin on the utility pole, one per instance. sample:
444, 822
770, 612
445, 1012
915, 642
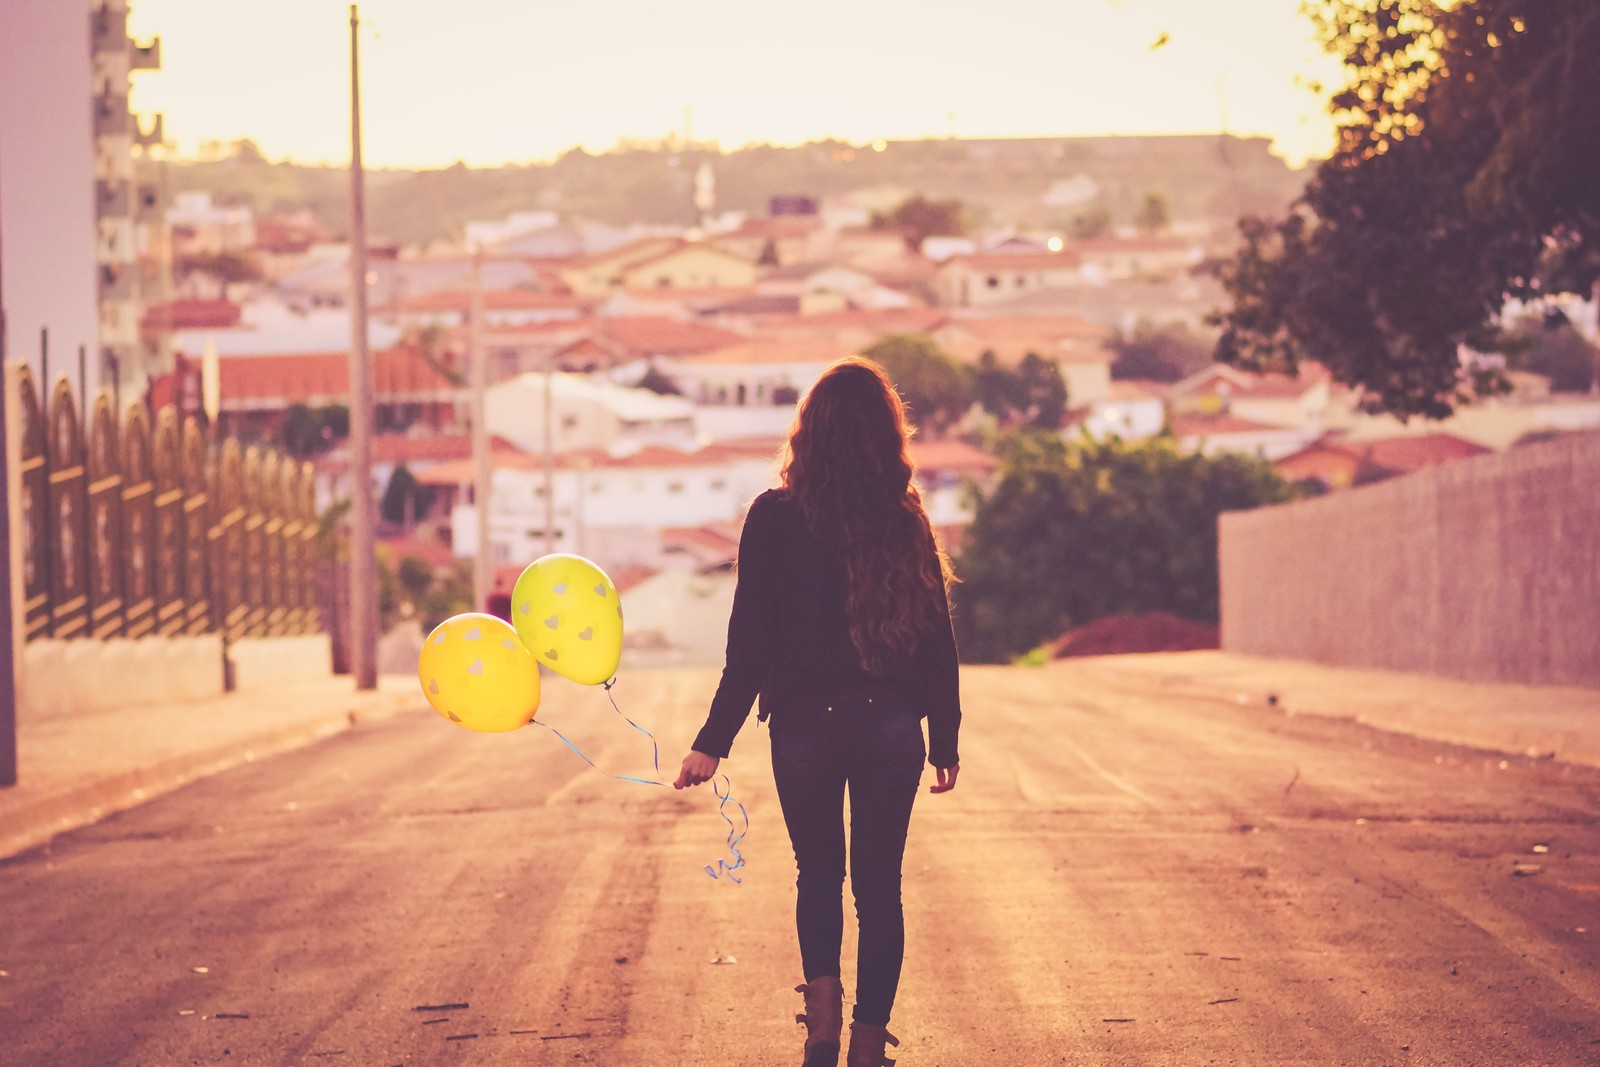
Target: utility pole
549, 455
8, 648
482, 474
363, 549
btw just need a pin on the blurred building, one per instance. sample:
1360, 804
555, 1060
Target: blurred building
47, 183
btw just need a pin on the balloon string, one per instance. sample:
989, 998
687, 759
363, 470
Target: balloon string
655, 748
724, 795
590, 762
723, 867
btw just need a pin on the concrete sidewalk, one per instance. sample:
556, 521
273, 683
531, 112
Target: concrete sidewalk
1542, 722
73, 769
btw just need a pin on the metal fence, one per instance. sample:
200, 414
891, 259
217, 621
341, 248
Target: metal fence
138, 530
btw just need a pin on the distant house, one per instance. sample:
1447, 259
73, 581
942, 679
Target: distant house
620, 507
585, 413
787, 238
601, 272
989, 278
1119, 258
691, 266
1130, 410
749, 389
1300, 401
1075, 346
1212, 434
256, 390
1337, 464
949, 471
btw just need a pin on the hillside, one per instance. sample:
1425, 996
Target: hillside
1003, 182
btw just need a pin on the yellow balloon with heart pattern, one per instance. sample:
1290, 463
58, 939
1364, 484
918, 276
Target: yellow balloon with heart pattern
476, 672
568, 614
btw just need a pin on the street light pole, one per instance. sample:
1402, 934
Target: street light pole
482, 473
363, 547
8, 648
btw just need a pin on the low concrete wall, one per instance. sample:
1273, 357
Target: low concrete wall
1486, 569
56, 678
261, 662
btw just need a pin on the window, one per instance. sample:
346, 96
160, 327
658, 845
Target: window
718, 484
674, 487
992, 281
569, 422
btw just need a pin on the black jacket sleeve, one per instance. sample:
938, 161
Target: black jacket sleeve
942, 693
751, 631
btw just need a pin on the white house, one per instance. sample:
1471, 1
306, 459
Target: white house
623, 507
990, 278
750, 389
1217, 433
1300, 400
586, 413
1130, 410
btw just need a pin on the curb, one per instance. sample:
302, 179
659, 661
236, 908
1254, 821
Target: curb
36, 823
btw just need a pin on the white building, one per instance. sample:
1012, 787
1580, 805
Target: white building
1131, 411
48, 245
586, 413
750, 389
616, 507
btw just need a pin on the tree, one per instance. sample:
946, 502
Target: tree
1096, 222
405, 498
996, 389
919, 218
1043, 392
1463, 175
1153, 216
1158, 354
936, 388
228, 268
1074, 533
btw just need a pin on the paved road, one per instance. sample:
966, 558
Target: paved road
1124, 876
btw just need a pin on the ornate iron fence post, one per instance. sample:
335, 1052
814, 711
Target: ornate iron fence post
69, 562
105, 540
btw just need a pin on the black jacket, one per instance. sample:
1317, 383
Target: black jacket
789, 642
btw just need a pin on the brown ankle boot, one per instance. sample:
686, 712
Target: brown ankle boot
866, 1046
824, 1019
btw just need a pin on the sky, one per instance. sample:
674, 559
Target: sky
490, 82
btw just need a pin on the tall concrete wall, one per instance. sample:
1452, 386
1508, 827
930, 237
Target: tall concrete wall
1486, 569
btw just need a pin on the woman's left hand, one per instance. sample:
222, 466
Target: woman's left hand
697, 767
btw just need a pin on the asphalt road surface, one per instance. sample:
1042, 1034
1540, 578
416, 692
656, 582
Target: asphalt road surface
1123, 876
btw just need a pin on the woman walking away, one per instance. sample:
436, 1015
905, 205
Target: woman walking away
841, 624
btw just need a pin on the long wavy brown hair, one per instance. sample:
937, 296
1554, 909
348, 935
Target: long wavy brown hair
848, 466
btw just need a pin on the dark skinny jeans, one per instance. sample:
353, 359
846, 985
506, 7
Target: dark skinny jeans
817, 752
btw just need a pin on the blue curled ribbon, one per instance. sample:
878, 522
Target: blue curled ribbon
723, 795
723, 867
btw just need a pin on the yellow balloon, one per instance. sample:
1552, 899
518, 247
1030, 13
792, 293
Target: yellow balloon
568, 614
476, 673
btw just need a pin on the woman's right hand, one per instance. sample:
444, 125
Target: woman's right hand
946, 779
697, 767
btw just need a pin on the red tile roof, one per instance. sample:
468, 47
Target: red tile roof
280, 380
1413, 452
190, 314
767, 350
1012, 261
1251, 385
658, 335
650, 457
1218, 425
500, 300
1128, 244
